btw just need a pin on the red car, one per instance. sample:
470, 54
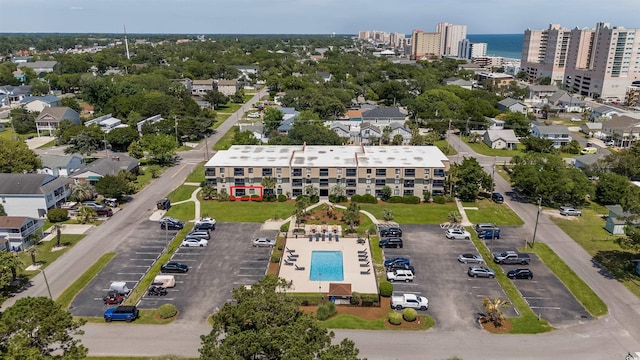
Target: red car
112, 298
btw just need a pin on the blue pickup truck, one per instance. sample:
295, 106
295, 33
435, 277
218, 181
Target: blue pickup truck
121, 313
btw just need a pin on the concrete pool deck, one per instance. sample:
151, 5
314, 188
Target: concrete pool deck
362, 283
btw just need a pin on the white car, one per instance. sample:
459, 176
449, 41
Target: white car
189, 242
457, 234
253, 115
259, 242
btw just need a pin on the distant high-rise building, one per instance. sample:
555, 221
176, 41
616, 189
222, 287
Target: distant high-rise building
599, 63
470, 50
425, 44
450, 36
544, 52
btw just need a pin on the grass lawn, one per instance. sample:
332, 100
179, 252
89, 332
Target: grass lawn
583, 293
245, 211
220, 119
48, 145
490, 212
7, 134
444, 146
70, 293
45, 256
182, 192
347, 321
183, 212
197, 175
482, 148
412, 213
225, 142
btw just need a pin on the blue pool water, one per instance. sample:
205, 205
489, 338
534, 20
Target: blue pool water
326, 266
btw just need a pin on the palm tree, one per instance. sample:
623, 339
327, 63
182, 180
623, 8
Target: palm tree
86, 214
208, 192
57, 227
268, 183
310, 190
337, 191
82, 191
33, 251
494, 310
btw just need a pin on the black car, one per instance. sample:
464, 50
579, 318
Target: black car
391, 232
171, 224
399, 266
497, 198
520, 274
390, 243
174, 267
205, 226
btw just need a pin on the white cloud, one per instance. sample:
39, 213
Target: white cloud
76, 8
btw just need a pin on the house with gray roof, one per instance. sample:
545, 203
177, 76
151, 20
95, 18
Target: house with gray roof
16, 230
558, 134
60, 165
618, 219
369, 133
257, 129
400, 129
49, 119
40, 67
604, 112
567, 102
624, 130
39, 103
465, 84
501, 139
384, 116
591, 128
110, 165
151, 120
582, 161
512, 105
33, 194
540, 93
15, 94
106, 123
340, 129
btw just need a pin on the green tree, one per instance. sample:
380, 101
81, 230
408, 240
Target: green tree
71, 103
311, 190
572, 147
86, 214
272, 119
265, 322
23, 121
385, 193
113, 186
469, 179
16, 157
494, 310
9, 265
538, 145
2, 212
352, 215
82, 191
57, 227
38, 328
160, 147
121, 138
516, 121
300, 210
612, 188
135, 150
83, 143
244, 138
215, 98
268, 183
397, 140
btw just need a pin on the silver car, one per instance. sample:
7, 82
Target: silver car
481, 271
569, 211
470, 259
260, 242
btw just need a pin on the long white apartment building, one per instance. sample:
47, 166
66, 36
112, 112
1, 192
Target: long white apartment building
407, 170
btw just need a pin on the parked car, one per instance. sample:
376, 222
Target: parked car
174, 267
253, 115
481, 271
92, 204
569, 211
400, 266
489, 234
485, 226
520, 274
511, 257
400, 275
263, 242
205, 223
398, 260
457, 234
390, 243
104, 211
171, 224
413, 301
200, 234
391, 232
112, 298
470, 259
121, 313
497, 198
190, 242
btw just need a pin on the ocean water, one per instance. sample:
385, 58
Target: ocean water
505, 45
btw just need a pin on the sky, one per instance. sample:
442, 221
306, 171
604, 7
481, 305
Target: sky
308, 16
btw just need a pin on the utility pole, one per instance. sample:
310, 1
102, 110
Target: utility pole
175, 119
535, 229
47, 283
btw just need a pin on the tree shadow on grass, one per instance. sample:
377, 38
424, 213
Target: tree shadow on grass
616, 264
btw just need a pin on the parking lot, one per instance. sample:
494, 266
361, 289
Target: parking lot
145, 243
229, 261
455, 299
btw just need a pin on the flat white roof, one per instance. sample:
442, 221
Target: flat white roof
329, 156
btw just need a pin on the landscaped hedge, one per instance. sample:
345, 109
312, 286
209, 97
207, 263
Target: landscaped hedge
369, 300
395, 200
355, 299
410, 314
275, 258
167, 311
409, 199
284, 227
366, 198
439, 199
282, 198
306, 299
58, 215
337, 199
326, 310
394, 318
386, 288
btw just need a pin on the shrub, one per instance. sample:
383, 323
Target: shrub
282, 198
167, 311
411, 199
438, 199
315, 199
337, 199
386, 288
275, 258
449, 199
58, 215
323, 312
394, 318
284, 227
409, 314
306, 299
369, 199
332, 308
155, 171
426, 195
356, 198
370, 299
395, 200
355, 298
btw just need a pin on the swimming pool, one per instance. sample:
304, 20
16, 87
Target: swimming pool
326, 266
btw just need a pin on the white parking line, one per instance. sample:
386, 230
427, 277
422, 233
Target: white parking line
251, 275
545, 307
142, 266
249, 268
156, 298
146, 253
130, 274
536, 298
195, 254
142, 259
185, 260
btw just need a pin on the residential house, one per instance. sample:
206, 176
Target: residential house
110, 165
558, 134
49, 118
501, 139
341, 130
106, 123
20, 75
495, 124
567, 102
32, 194
465, 84
248, 70
256, 129
14, 94
512, 105
400, 129
618, 219
61, 165
285, 126
369, 133
540, 93
582, 161
228, 87
624, 130
326, 77
15, 231
384, 116
604, 112
200, 87
39, 103
21, 59
151, 120
591, 128
40, 67
354, 115
186, 82
495, 80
